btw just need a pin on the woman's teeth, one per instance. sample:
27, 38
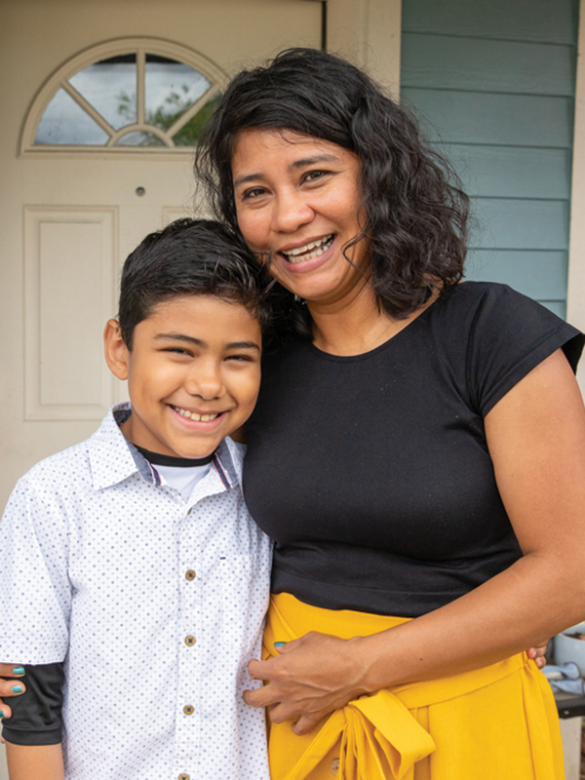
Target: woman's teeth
310, 250
195, 416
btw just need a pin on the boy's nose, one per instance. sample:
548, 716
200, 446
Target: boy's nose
206, 383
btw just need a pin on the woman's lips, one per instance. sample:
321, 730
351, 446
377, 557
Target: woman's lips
308, 251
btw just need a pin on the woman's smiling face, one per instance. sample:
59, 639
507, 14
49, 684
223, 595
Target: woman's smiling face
298, 198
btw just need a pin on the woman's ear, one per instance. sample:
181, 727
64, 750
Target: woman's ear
116, 352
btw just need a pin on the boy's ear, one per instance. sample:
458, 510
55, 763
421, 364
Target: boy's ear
115, 350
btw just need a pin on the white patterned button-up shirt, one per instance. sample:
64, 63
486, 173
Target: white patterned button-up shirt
154, 603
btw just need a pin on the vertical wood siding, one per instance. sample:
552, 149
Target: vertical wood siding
494, 83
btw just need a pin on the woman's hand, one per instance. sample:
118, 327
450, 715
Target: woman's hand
311, 677
537, 655
11, 684
314, 675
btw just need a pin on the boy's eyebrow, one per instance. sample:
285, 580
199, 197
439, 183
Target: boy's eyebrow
318, 158
200, 343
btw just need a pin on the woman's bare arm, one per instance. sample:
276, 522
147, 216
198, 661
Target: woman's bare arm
536, 437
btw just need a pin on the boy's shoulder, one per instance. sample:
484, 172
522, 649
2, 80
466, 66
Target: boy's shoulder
75, 467
62, 465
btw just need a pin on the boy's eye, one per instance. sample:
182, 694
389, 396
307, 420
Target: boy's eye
243, 358
178, 351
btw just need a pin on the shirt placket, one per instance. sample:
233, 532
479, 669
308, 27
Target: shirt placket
190, 650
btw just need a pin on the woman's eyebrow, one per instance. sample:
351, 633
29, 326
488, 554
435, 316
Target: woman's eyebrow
303, 163
318, 158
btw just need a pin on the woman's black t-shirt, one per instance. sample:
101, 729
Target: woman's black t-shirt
372, 472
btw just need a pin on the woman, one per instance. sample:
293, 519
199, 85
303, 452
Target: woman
418, 449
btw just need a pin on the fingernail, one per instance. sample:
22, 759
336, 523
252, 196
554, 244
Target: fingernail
18, 670
279, 644
17, 689
1, 714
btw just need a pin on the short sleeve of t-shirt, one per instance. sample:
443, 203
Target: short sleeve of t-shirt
36, 714
510, 335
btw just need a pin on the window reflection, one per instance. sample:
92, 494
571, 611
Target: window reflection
188, 135
171, 89
66, 123
110, 87
98, 103
139, 138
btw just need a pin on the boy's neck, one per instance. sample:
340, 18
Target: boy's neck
158, 459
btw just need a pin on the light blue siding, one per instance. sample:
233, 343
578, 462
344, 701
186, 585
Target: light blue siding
488, 118
545, 21
486, 65
493, 82
519, 224
512, 172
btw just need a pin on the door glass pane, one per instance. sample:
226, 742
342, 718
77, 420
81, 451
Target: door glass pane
188, 135
171, 88
138, 138
64, 122
110, 87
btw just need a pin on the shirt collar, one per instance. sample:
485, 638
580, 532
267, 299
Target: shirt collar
113, 458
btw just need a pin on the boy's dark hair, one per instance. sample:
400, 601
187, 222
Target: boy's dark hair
190, 257
415, 211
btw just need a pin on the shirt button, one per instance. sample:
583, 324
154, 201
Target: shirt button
188, 709
190, 640
190, 575
334, 766
184, 777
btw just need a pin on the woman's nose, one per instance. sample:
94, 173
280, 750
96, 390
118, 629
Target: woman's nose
290, 211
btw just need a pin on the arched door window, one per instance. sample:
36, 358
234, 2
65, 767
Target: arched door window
128, 95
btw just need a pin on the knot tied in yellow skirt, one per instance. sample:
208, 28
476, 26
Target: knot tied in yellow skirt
496, 723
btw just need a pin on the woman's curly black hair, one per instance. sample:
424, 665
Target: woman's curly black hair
416, 212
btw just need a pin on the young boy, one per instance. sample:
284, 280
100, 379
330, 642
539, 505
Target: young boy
133, 582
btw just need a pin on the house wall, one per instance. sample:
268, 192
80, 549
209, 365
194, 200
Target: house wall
576, 292
495, 83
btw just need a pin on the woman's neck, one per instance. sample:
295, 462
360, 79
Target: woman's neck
356, 325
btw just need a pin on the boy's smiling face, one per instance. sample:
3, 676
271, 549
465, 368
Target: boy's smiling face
193, 373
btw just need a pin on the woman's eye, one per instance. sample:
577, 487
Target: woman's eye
253, 192
314, 175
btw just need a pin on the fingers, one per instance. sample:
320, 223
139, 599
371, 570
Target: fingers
307, 723
11, 670
538, 655
11, 682
5, 710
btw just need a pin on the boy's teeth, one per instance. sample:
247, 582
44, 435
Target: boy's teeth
195, 416
310, 250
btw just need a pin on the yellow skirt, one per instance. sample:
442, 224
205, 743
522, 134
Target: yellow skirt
497, 723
